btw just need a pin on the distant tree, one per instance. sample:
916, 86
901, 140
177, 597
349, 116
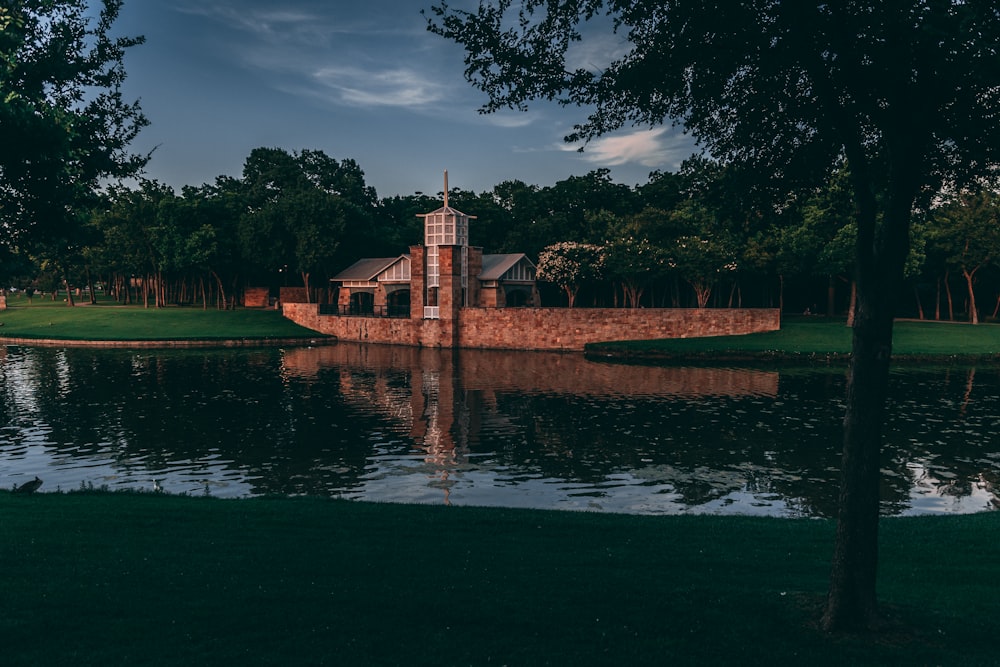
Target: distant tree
966, 231
569, 265
65, 125
905, 93
634, 263
702, 262
301, 209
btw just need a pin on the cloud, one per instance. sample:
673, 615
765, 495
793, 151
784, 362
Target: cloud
511, 120
383, 88
649, 148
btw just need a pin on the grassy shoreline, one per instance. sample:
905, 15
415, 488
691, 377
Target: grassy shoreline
810, 340
110, 578
42, 320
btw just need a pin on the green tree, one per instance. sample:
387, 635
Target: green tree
301, 208
634, 263
569, 265
906, 93
966, 232
65, 125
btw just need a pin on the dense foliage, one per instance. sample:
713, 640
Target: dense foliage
685, 239
65, 125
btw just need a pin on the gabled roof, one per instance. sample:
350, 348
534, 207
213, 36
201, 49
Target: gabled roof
366, 269
494, 266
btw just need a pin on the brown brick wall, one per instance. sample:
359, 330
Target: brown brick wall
292, 295
572, 328
539, 328
256, 297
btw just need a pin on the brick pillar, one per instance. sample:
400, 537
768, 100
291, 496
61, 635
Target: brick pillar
417, 272
450, 293
475, 268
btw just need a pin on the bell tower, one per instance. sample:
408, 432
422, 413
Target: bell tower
445, 261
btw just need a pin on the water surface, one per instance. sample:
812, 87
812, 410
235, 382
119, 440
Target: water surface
516, 429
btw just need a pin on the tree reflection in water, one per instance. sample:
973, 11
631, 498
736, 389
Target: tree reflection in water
485, 427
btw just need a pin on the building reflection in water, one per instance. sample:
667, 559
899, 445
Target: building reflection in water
450, 390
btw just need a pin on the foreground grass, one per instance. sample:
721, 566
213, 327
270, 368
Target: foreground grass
152, 579
818, 338
42, 318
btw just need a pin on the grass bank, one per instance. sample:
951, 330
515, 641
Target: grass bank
44, 319
815, 339
149, 579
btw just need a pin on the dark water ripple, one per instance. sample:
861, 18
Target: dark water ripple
485, 428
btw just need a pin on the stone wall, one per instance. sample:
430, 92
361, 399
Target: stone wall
362, 329
539, 328
572, 328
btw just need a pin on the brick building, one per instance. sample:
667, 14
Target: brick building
437, 278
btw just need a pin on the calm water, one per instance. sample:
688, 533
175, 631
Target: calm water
485, 428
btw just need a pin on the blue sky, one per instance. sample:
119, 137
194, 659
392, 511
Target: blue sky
361, 80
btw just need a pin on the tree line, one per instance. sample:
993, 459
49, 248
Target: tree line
697, 237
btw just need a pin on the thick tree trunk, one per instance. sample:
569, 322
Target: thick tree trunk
881, 250
852, 604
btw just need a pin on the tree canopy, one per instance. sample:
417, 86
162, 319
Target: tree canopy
63, 118
904, 95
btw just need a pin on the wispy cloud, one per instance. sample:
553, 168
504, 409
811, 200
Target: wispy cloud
512, 119
387, 87
649, 148
342, 58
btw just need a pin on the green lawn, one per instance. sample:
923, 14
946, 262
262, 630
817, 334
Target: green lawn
43, 318
817, 337
118, 578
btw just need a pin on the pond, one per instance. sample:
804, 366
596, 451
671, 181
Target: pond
513, 429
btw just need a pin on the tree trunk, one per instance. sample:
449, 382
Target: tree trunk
69, 292
853, 305
90, 287
222, 290
570, 294
881, 249
702, 292
970, 279
947, 293
305, 282
937, 301
852, 604
920, 306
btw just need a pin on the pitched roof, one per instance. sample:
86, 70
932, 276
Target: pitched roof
494, 266
366, 269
